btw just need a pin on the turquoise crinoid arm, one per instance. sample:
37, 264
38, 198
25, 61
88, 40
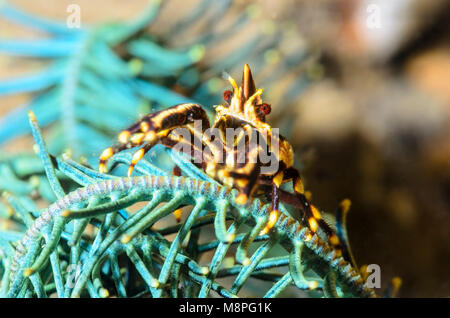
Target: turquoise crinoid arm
176, 191
80, 256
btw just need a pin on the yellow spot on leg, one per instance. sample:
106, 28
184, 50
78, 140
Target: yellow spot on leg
106, 154
145, 126
28, 272
155, 283
313, 285
137, 138
241, 198
150, 137
298, 187
246, 261
363, 272
205, 270
227, 181
313, 224
308, 237
31, 115
65, 213
136, 157
315, 212
241, 183
334, 240
103, 293
308, 195
273, 217
124, 136
278, 179
222, 174
125, 239
102, 167
210, 169
177, 214
230, 237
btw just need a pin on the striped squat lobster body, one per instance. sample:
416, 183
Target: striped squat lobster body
243, 110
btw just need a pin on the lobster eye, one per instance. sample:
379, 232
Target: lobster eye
227, 96
265, 109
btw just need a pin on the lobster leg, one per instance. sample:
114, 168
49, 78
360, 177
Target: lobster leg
151, 128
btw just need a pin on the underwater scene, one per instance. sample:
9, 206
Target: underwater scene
224, 149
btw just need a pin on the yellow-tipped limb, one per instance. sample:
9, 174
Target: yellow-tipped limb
126, 239
233, 84
28, 272
278, 179
252, 98
230, 237
66, 213
177, 214
124, 136
138, 155
31, 115
106, 154
242, 198
273, 217
345, 205
103, 293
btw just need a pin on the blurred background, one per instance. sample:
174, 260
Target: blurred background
361, 88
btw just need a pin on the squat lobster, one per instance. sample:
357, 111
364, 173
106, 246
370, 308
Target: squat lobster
243, 109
